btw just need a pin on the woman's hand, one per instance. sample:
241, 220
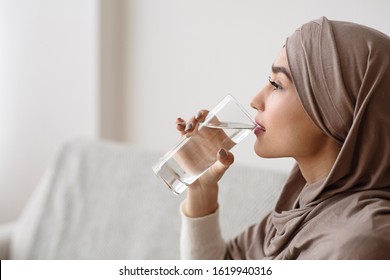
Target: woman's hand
202, 195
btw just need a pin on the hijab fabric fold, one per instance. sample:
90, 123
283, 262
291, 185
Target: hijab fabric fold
341, 71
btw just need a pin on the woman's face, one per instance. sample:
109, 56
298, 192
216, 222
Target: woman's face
286, 129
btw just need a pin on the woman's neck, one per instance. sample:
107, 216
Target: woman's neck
318, 166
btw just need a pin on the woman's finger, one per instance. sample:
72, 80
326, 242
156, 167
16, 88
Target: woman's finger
218, 169
181, 125
201, 115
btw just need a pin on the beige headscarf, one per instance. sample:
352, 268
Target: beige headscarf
342, 74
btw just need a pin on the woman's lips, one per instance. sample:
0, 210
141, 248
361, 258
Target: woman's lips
259, 128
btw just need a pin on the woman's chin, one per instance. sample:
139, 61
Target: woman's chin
266, 153
261, 152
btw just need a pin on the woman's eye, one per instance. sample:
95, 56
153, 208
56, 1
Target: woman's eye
274, 84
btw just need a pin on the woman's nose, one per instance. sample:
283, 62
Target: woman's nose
257, 102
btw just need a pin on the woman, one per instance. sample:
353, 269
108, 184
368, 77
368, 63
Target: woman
327, 105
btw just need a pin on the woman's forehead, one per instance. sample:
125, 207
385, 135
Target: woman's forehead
281, 64
281, 59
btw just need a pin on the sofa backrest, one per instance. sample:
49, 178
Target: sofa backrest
101, 200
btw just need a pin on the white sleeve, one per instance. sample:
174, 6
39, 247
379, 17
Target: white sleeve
200, 238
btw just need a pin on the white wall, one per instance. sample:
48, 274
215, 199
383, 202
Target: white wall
186, 55
48, 88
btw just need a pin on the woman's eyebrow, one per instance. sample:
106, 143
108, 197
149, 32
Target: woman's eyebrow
281, 69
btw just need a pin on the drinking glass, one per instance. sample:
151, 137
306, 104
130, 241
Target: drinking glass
226, 125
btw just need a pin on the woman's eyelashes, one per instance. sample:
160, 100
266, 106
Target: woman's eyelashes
275, 85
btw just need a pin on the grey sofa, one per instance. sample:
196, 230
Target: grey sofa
101, 200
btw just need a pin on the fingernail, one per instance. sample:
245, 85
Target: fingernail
180, 121
198, 115
222, 153
189, 126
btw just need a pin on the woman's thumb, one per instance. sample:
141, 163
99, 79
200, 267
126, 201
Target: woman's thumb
225, 159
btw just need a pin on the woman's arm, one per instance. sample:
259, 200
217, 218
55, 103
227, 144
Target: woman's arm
200, 238
200, 235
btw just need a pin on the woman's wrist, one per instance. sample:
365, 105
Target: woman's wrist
201, 203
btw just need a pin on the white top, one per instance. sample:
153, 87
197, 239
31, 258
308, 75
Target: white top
200, 238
